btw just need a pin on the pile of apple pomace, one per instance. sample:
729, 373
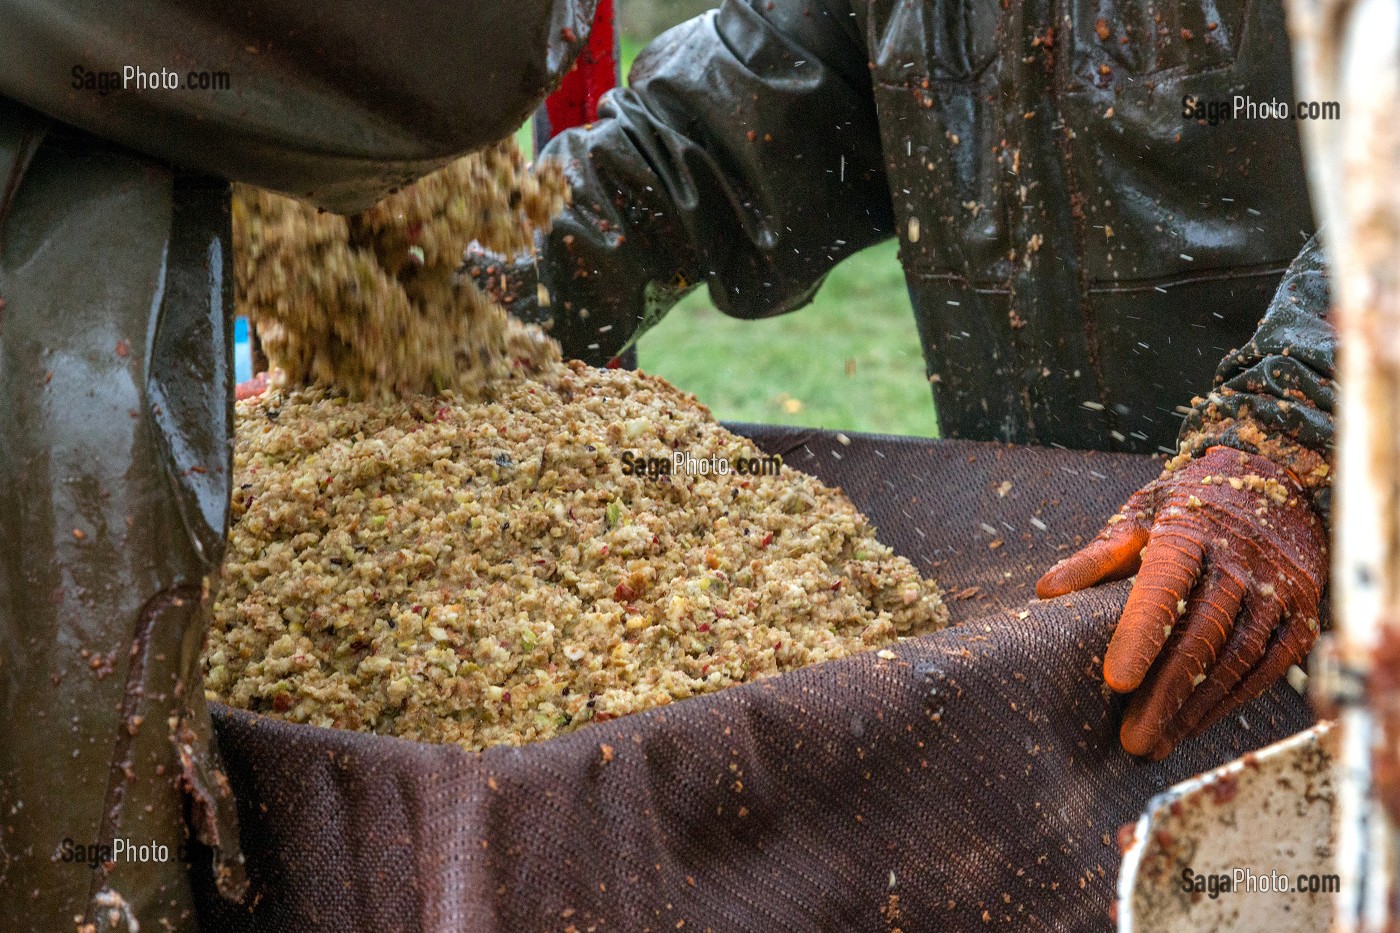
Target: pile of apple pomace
456, 555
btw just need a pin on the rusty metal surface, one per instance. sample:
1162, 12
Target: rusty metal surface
1268, 815
1348, 51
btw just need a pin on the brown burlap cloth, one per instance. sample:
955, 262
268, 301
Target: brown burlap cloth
974, 780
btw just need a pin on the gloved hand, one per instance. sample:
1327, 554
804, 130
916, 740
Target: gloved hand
512, 283
1230, 561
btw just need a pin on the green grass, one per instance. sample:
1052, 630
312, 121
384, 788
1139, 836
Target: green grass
849, 361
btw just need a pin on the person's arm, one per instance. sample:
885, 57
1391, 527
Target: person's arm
745, 155
1230, 545
337, 102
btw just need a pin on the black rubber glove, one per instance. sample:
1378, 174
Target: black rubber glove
745, 155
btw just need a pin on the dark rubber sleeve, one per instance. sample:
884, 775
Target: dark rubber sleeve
745, 156
1275, 395
115, 461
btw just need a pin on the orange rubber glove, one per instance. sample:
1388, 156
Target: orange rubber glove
1230, 561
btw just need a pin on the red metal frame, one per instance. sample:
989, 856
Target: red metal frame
597, 71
